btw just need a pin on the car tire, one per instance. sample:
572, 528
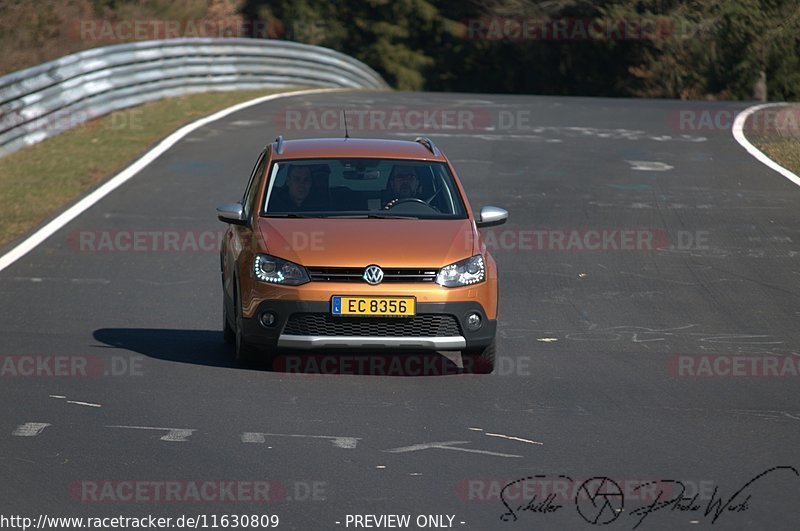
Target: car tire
228, 333
479, 361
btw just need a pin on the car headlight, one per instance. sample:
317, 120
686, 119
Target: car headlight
463, 273
278, 271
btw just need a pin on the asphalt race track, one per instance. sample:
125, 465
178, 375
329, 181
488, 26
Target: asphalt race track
648, 278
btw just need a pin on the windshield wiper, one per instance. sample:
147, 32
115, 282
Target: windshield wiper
372, 215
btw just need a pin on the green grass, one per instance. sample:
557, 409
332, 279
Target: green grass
783, 149
785, 152
38, 181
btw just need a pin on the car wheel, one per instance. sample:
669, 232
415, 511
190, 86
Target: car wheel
479, 361
228, 333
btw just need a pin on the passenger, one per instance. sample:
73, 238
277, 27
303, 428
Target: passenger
298, 194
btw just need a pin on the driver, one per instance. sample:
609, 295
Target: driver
403, 184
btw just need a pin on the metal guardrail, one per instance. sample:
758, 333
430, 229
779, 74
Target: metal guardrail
50, 98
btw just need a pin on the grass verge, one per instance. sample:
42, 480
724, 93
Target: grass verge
781, 146
785, 152
38, 181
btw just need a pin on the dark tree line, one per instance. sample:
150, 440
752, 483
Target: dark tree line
693, 49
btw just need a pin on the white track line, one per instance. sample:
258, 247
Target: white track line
173, 434
512, 438
87, 404
84, 204
738, 134
30, 429
446, 445
340, 442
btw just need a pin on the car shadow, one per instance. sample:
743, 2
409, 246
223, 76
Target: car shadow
199, 347
206, 347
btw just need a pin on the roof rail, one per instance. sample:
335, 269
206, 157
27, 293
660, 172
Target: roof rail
428, 143
279, 145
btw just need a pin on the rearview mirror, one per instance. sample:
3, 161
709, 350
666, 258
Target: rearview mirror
231, 213
361, 175
491, 216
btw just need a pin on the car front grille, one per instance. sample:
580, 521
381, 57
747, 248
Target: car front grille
421, 325
355, 274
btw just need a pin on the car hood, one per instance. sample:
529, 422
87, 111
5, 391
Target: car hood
360, 242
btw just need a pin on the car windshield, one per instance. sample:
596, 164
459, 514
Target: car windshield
362, 188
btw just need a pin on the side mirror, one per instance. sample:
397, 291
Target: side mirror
231, 213
491, 216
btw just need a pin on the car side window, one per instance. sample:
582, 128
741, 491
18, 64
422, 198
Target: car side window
252, 185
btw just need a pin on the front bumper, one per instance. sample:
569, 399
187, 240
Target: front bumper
437, 326
421, 342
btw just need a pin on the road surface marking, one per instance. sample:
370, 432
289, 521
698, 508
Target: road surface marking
647, 165
172, 435
257, 438
512, 438
738, 134
30, 429
55, 279
88, 404
347, 443
447, 445
32, 241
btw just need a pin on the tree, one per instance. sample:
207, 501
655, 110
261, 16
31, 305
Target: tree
687, 49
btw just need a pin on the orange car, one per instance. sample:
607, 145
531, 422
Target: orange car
358, 244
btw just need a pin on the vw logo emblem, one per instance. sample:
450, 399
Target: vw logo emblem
373, 275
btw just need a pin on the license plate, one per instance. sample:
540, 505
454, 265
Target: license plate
374, 306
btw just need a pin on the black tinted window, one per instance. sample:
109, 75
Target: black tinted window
328, 187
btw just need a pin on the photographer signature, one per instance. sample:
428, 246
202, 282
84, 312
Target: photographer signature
600, 500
